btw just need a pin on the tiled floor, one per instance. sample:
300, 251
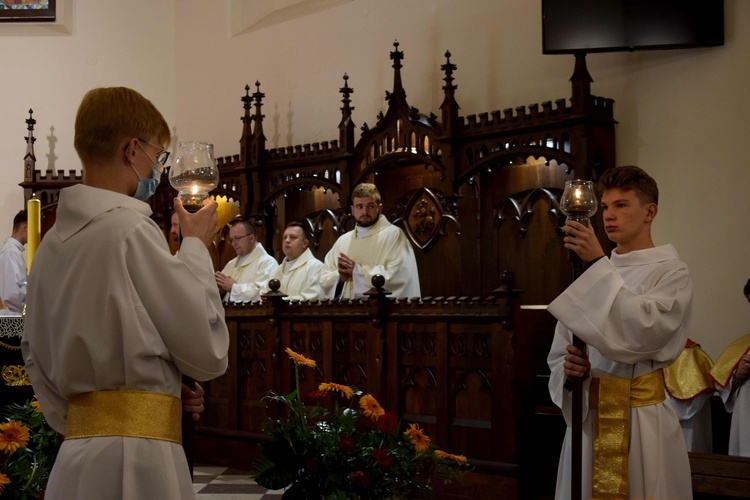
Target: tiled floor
221, 483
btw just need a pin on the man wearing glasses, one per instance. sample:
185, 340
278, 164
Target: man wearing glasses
243, 277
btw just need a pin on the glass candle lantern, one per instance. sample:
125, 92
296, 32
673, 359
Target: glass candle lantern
194, 173
578, 201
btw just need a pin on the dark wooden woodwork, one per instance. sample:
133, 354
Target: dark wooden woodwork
444, 363
476, 195
718, 477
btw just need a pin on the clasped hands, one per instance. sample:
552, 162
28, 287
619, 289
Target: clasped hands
223, 281
346, 267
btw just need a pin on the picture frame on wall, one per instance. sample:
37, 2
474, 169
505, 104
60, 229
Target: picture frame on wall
36, 11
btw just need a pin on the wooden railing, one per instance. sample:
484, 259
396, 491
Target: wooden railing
446, 363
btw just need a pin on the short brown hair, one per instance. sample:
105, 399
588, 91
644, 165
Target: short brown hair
366, 190
109, 116
630, 177
249, 227
20, 218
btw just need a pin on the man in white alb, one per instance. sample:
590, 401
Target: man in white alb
633, 311
243, 277
374, 246
299, 272
13, 266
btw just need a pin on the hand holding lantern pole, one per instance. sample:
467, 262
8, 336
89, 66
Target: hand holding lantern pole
578, 203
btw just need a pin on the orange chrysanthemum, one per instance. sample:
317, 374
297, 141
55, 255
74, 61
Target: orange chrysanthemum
344, 390
3, 481
418, 438
13, 435
459, 459
371, 407
35, 404
300, 359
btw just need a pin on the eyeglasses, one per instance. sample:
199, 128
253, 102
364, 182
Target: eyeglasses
162, 156
238, 238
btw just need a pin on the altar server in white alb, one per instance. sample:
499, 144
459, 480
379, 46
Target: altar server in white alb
113, 319
731, 373
374, 246
243, 277
633, 310
13, 266
299, 274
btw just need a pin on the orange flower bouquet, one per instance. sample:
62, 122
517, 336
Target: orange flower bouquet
28, 448
352, 452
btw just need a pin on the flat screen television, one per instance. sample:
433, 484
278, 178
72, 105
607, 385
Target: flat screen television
571, 26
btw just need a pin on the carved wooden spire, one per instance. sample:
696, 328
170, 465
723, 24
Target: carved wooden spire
29, 160
581, 83
398, 87
449, 106
259, 140
346, 127
247, 128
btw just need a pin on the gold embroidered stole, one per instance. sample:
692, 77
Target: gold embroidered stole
612, 398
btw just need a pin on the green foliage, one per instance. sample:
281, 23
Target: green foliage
28, 467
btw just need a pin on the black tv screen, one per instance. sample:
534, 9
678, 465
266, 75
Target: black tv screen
570, 26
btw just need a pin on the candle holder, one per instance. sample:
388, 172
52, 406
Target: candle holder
194, 173
578, 201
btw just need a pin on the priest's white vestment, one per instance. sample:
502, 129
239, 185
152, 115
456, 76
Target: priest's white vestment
110, 309
633, 311
303, 280
385, 250
249, 272
12, 275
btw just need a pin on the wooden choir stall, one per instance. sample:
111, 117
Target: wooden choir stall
478, 198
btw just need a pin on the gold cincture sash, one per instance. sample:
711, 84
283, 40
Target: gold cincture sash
141, 414
613, 397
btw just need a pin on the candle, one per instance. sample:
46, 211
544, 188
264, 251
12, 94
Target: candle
33, 228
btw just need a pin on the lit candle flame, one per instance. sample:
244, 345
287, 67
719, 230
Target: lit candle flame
195, 189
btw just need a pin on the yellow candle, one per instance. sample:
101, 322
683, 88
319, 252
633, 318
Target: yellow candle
33, 228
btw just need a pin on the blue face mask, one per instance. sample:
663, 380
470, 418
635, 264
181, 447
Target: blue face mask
147, 185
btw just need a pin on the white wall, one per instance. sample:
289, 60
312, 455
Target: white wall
48, 69
683, 115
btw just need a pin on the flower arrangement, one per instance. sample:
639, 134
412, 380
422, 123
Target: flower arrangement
348, 452
29, 447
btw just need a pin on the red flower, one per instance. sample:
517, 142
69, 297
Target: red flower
347, 444
360, 479
364, 423
388, 423
317, 395
382, 458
